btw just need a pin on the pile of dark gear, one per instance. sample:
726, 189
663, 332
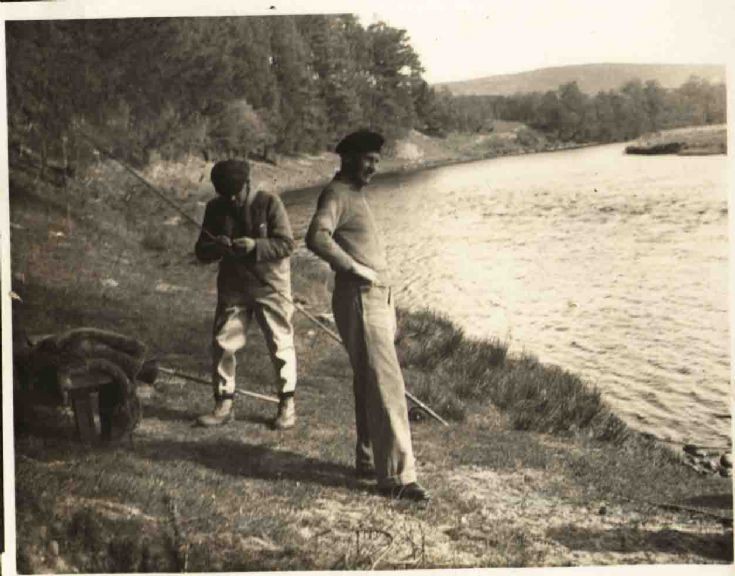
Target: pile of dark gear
55, 368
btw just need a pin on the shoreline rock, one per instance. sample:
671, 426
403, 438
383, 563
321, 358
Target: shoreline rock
704, 140
652, 149
707, 461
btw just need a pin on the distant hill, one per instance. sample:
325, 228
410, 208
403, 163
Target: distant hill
591, 78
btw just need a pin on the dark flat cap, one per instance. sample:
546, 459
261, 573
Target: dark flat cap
229, 176
360, 142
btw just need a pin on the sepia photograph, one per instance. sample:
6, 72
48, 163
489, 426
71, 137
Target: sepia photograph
381, 287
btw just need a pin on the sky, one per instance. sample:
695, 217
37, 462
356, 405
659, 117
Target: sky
464, 39
459, 39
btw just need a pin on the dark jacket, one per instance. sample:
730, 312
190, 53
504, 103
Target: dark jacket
264, 219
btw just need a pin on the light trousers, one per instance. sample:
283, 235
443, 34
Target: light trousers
366, 320
231, 322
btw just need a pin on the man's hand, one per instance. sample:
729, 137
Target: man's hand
244, 244
364, 272
224, 244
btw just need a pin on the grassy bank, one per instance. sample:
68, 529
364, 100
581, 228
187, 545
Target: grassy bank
453, 372
692, 141
535, 469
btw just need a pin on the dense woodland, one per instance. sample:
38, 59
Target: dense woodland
568, 114
285, 84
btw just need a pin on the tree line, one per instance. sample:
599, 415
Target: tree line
213, 85
286, 84
568, 114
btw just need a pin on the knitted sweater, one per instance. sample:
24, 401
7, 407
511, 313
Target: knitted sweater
343, 230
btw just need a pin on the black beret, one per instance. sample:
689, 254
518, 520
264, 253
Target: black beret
360, 142
229, 176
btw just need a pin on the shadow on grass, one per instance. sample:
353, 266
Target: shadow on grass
168, 414
48, 430
252, 461
717, 547
721, 501
151, 318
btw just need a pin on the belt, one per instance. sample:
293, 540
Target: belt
353, 280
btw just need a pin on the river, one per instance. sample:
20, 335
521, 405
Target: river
614, 267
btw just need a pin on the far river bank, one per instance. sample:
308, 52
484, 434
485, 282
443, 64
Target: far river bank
413, 153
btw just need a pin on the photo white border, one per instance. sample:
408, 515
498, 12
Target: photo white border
76, 9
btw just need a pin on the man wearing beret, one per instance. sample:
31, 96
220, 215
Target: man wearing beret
250, 235
344, 233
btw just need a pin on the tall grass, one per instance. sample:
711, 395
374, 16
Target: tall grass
451, 371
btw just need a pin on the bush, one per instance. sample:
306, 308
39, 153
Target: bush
448, 371
425, 338
527, 138
238, 130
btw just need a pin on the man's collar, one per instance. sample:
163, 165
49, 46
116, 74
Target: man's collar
341, 177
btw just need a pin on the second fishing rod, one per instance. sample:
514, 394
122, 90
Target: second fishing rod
150, 187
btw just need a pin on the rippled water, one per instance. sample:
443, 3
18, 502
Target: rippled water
612, 266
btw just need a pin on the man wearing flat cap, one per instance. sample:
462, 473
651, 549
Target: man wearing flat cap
344, 233
249, 234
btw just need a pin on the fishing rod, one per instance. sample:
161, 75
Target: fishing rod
262, 280
239, 391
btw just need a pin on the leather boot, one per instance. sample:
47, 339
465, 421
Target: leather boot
223, 412
365, 471
413, 491
286, 417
